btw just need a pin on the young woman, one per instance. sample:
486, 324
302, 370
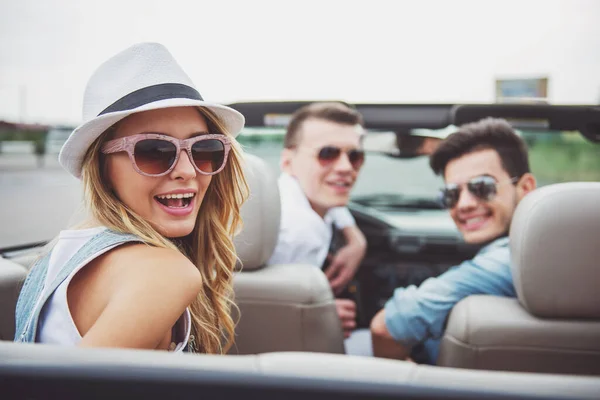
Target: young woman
152, 267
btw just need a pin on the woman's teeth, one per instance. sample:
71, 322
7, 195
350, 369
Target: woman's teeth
176, 196
180, 200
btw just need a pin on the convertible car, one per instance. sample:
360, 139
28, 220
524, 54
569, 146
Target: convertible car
543, 344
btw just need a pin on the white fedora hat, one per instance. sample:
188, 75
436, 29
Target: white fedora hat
142, 77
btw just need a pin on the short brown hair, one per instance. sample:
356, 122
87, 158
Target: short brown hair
329, 111
488, 133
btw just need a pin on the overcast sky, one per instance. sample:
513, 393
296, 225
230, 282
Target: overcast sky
358, 51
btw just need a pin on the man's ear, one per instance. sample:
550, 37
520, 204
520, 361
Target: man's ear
285, 162
526, 184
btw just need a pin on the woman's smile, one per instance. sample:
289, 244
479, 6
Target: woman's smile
177, 202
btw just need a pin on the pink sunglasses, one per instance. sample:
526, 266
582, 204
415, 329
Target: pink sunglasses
154, 154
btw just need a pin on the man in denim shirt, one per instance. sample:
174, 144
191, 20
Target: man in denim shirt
486, 170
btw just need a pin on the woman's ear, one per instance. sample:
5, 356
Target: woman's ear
526, 184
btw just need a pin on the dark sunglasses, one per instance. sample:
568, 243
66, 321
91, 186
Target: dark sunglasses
154, 154
329, 154
484, 188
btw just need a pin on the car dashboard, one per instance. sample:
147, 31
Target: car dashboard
405, 247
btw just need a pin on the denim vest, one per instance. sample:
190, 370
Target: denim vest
31, 302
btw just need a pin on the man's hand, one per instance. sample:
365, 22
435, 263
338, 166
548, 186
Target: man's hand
346, 310
345, 262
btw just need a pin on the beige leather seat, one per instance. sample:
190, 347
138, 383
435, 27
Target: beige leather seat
283, 307
554, 325
12, 276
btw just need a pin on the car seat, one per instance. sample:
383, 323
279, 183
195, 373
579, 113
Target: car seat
12, 276
281, 307
554, 324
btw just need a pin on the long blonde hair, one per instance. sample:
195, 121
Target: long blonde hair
209, 246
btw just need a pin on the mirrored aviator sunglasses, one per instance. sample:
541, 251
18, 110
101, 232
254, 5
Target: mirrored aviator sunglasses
482, 187
154, 154
330, 154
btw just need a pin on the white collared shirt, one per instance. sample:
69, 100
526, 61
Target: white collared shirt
304, 237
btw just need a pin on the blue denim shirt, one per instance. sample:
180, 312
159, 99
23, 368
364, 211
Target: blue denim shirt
418, 315
33, 297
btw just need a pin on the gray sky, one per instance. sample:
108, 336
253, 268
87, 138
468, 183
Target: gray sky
368, 51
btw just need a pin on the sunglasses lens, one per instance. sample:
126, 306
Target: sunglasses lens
449, 196
328, 154
357, 158
483, 188
209, 155
154, 156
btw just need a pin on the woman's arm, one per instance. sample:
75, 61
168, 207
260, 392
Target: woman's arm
132, 296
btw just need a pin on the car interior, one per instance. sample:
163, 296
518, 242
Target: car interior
554, 324
289, 342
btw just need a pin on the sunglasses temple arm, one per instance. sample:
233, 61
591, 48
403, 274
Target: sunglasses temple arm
113, 146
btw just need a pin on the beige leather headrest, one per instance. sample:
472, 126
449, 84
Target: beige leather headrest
260, 215
555, 251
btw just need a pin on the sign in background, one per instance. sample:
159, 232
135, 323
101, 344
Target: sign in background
526, 90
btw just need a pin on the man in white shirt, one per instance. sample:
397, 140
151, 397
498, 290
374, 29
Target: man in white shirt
320, 161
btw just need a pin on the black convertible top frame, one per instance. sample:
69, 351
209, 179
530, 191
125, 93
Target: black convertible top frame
401, 117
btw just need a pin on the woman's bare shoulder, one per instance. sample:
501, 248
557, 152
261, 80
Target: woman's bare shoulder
148, 264
134, 295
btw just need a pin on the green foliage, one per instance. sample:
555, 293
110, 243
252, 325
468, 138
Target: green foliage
37, 137
565, 157
255, 139
10, 135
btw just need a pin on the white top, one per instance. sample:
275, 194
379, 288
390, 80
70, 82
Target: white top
304, 237
56, 324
